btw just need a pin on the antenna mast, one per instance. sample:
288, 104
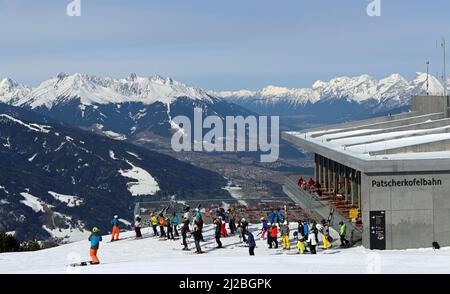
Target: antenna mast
444, 47
428, 70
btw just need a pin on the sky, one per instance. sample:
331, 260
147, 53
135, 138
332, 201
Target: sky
222, 44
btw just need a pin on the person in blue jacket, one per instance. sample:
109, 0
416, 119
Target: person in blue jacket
115, 229
95, 238
272, 216
251, 243
305, 229
280, 216
175, 223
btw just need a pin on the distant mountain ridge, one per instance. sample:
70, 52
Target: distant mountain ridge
349, 98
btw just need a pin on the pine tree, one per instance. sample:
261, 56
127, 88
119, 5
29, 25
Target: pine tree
8, 243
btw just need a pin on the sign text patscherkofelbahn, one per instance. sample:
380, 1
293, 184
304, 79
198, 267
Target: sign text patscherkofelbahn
416, 182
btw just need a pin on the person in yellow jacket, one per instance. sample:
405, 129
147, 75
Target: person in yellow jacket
325, 230
301, 245
154, 223
285, 236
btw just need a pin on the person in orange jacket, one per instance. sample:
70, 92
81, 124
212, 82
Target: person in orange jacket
115, 229
95, 238
162, 223
274, 236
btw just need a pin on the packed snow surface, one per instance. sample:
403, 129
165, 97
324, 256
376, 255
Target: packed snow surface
149, 255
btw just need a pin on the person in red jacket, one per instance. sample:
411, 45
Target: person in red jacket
273, 236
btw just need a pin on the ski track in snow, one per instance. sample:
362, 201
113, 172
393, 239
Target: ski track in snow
150, 255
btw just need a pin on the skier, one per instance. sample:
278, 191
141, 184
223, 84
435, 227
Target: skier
218, 229
239, 231
184, 231
175, 224
231, 221
312, 241
269, 237
115, 229
186, 213
305, 229
280, 217
199, 221
273, 236
251, 243
343, 234
272, 217
169, 229
197, 238
95, 238
300, 243
223, 222
265, 228
325, 231
137, 226
154, 223
300, 229
162, 222
285, 236
244, 224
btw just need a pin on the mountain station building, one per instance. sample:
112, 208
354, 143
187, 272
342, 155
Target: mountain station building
394, 171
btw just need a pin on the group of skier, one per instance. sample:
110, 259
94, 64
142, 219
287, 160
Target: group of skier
276, 224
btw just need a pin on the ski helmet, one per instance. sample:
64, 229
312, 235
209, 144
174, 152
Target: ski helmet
95, 230
116, 216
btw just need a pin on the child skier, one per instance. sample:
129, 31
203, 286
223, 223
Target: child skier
244, 224
162, 222
265, 228
301, 243
197, 238
95, 238
115, 229
285, 236
175, 224
251, 243
312, 241
231, 221
273, 236
169, 229
343, 233
218, 231
137, 226
325, 231
184, 231
154, 223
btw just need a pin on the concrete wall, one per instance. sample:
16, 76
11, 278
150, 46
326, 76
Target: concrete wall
429, 104
415, 215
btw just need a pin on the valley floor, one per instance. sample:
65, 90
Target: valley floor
149, 255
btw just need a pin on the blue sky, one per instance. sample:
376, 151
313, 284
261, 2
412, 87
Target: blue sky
221, 44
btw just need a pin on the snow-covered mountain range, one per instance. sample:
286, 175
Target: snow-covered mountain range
349, 97
395, 90
130, 106
97, 90
120, 108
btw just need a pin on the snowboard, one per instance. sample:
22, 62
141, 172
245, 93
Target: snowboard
83, 263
